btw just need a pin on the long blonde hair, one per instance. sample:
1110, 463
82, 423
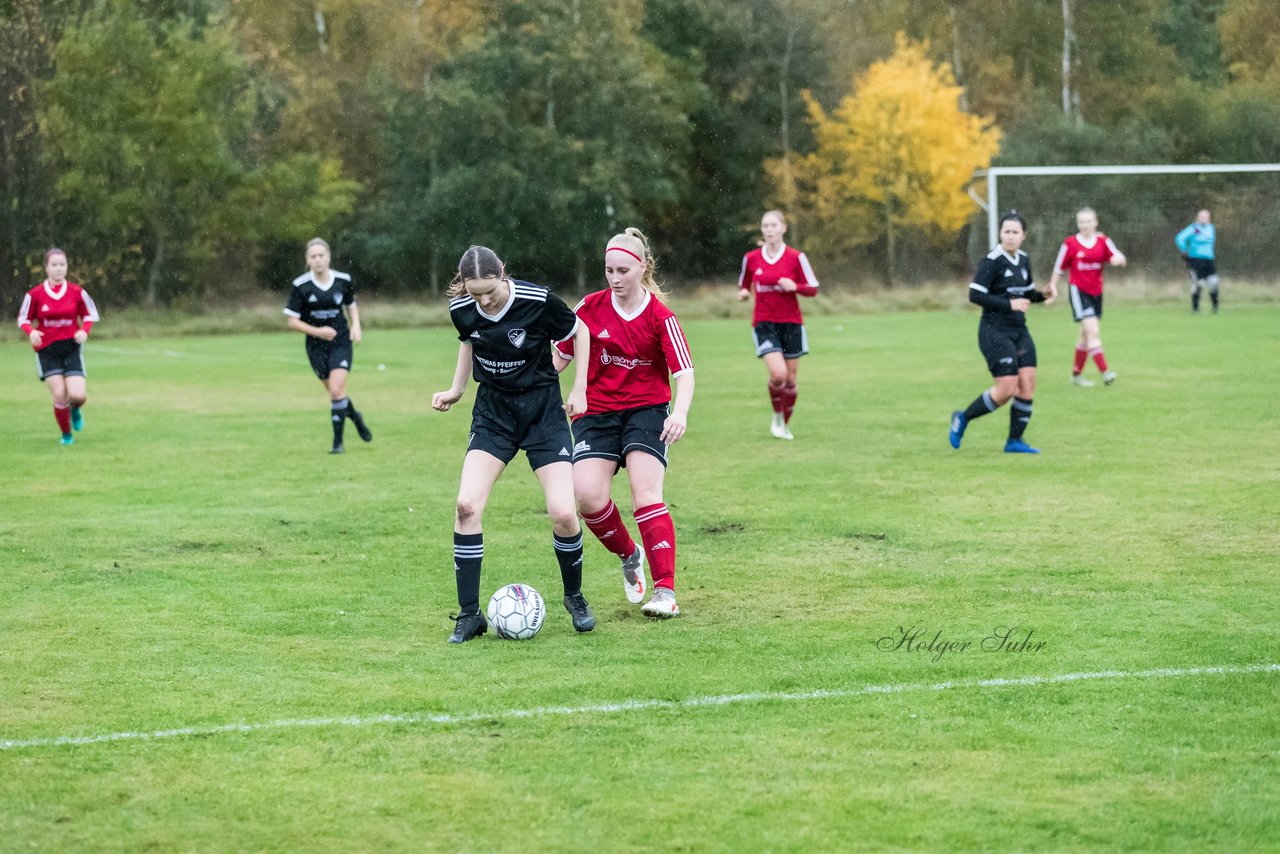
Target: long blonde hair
633, 241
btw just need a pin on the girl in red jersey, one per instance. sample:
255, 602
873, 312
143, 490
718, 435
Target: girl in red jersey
56, 316
778, 273
1084, 255
637, 347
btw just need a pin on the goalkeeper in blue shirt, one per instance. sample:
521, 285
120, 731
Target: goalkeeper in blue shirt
1195, 242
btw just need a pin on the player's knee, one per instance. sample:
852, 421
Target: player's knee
1212, 282
467, 510
76, 400
563, 518
777, 381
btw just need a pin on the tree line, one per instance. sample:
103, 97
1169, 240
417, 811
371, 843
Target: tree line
183, 150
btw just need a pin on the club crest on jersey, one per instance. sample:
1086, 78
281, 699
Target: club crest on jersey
516, 337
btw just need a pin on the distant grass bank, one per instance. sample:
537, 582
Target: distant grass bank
694, 301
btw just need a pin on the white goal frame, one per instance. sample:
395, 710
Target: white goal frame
992, 204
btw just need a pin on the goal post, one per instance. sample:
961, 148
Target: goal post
1145, 204
992, 204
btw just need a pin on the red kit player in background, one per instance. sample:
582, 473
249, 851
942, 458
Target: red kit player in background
631, 418
1082, 257
778, 273
56, 316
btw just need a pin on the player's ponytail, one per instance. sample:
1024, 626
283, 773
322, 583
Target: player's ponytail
633, 242
478, 262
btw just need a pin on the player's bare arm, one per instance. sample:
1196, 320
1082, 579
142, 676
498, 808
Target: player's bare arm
673, 428
442, 400
356, 333
577, 402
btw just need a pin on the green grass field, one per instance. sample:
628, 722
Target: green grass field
196, 560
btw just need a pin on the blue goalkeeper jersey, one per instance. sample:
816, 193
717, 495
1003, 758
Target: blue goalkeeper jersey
1196, 240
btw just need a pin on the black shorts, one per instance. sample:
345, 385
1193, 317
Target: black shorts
60, 357
613, 435
329, 356
533, 421
1084, 305
789, 339
1006, 349
1202, 268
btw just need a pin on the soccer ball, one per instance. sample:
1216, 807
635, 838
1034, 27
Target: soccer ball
516, 612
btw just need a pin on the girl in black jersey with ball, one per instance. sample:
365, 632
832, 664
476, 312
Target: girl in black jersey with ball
1005, 288
507, 327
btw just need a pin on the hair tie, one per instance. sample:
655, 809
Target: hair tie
628, 251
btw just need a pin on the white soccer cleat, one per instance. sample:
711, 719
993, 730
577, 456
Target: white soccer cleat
1109, 377
778, 427
786, 432
662, 605
1077, 379
633, 576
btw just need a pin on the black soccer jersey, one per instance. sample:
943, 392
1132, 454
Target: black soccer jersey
1000, 278
511, 350
319, 306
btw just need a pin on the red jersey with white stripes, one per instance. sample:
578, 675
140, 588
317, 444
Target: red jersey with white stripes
1085, 263
762, 273
57, 312
632, 355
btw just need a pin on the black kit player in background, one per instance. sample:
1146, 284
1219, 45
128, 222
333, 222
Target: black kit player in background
507, 327
315, 309
1005, 288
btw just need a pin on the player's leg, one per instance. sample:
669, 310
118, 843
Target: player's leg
557, 486
1000, 350
57, 384
597, 453
592, 479
336, 385
76, 397
341, 358
1193, 270
789, 393
480, 471
1024, 391
776, 365
1091, 331
1081, 356
1211, 280
646, 473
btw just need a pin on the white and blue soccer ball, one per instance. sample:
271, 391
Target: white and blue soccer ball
516, 612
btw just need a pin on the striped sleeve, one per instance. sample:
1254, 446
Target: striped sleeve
1062, 256
88, 311
24, 314
743, 282
675, 347
1111, 245
809, 286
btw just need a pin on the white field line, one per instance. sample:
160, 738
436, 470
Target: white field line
180, 354
634, 705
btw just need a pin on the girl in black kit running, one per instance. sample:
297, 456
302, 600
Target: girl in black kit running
315, 309
1005, 288
507, 327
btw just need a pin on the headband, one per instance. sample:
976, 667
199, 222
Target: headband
628, 251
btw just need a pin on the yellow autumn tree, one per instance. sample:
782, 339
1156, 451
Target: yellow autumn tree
896, 154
